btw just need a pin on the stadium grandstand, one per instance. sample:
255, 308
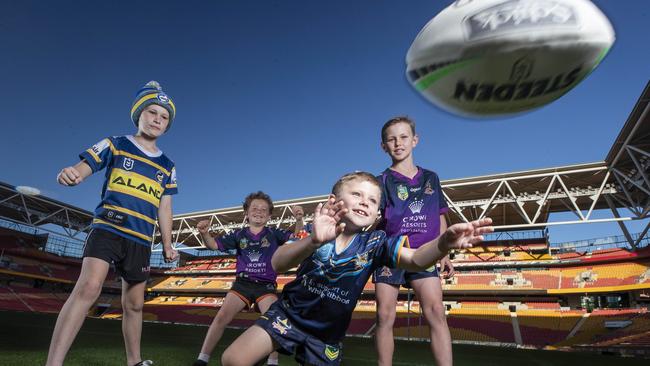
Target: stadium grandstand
515, 289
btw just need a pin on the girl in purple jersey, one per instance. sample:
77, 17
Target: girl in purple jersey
413, 205
255, 278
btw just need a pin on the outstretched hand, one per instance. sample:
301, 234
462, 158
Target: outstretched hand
465, 235
326, 225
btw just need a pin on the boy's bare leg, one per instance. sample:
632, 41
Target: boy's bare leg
74, 311
232, 305
132, 303
386, 296
429, 293
264, 305
249, 348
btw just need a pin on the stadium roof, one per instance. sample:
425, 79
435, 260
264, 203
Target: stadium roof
40, 211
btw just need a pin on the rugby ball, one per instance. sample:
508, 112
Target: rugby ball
487, 58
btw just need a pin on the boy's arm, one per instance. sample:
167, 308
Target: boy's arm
204, 229
165, 223
325, 227
458, 236
73, 175
292, 254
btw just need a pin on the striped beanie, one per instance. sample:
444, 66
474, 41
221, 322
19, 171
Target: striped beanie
152, 93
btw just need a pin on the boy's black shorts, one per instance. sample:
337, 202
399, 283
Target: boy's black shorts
251, 291
291, 340
130, 258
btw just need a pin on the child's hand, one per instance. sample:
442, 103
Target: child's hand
326, 226
203, 226
170, 254
461, 236
69, 176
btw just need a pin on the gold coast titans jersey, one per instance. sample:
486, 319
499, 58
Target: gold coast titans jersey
135, 182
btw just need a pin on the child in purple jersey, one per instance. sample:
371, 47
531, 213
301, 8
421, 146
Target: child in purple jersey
336, 261
412, 205
255, 278
152, 113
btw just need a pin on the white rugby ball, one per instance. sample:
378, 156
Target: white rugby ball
485, 58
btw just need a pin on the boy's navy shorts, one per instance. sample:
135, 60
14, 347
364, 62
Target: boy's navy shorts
251, 291
307, 349
130, 258
397, 276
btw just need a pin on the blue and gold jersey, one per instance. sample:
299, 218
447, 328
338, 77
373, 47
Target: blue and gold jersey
135, 182
321, 299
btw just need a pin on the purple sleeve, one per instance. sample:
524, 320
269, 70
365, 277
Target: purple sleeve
227, 242
442, 203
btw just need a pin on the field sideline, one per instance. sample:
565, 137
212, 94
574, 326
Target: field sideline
24, 339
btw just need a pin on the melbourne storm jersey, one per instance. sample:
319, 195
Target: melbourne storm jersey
135, 182
254, 252
412, 206
321, 299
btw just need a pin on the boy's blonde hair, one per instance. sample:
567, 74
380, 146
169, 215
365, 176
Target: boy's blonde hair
355, 176
394, 121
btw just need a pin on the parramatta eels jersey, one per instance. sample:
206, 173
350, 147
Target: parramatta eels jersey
135, 182
254, 251
412, 206
323, 296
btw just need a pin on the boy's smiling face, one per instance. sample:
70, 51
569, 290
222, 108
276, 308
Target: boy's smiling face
361, 197
258, 213
399, 141
153, 121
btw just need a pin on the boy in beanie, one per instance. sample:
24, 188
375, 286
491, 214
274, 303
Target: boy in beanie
140, 181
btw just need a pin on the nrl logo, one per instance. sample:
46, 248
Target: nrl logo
402, 192
281, 325
128, 164
243, 243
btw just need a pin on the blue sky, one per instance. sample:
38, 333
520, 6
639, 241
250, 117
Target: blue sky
281, 96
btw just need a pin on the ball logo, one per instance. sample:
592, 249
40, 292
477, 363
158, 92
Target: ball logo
516, 14
163, 98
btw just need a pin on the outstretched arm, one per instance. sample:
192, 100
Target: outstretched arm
458, 236
325, 227
204, 228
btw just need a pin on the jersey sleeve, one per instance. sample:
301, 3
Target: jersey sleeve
171, 187
283, 236
389, 250
227, 242
99, 155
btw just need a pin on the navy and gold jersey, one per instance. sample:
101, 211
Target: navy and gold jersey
321, 299
135, 182
254, 252
412, 206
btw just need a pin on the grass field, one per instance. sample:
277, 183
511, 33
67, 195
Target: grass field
24, 339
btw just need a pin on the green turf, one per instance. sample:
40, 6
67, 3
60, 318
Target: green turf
24, 339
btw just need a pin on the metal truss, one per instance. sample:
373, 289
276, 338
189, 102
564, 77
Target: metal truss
43, 214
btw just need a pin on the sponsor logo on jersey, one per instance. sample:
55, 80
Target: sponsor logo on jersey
416, 206
135, 185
